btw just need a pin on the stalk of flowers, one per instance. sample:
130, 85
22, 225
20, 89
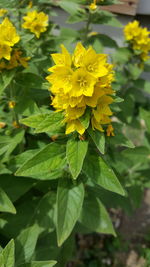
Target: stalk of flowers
10, 56
138, 38
82, 82
36, 22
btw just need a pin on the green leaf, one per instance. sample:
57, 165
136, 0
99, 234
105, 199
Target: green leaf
48, 160
145, 115
69, 6
99, 139
134, 71
5, 203
15, 187
122, 55
119, 139
96, 169
8, 144
76, 152
5, 79
49, 122
85, 119
105, 17
95, 217
2, 260
69, 203
25, 244
9, 254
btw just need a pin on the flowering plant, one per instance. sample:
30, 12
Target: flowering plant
68, 152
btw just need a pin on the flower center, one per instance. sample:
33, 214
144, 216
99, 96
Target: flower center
82, 82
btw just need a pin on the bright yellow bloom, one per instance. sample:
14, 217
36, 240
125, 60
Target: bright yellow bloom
139, 38
3, 12
110, 130
36, 22
80, 81
9, 38
11, 104
93, 6
2, 125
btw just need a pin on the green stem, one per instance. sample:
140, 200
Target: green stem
87, 27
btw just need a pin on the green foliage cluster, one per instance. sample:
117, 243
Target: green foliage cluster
53, 185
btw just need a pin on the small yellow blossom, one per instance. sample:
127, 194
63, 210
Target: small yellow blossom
139, 38
110, 130
93, 6
2, 125
11, 104
80, 81
16, 124
3, 12
36, 22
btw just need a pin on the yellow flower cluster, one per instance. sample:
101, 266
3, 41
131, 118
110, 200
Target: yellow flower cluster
139, 38
10, 57
9, 38
80, 81
36, 22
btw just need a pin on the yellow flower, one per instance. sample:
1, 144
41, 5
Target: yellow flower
36, 22
11, 104
75, 125
3, 12
139, 38
110, 130
2, 125
93, 6
9, 38
80, 81
16, 125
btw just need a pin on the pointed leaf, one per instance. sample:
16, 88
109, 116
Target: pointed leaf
5, 203
95, 217
99, 140
9, 254
48, 160
96, 169
25, 244
76, 152
69, 203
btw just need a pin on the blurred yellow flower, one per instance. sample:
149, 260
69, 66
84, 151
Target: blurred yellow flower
36, 22
11, 104
139, 38
2, 125
9, 38
80, 81
3, 12
110, 130
15, 124
93, 6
